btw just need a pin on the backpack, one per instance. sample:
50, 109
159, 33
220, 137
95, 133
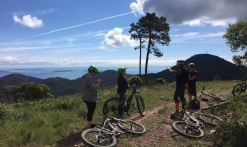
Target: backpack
195, 104
185, 75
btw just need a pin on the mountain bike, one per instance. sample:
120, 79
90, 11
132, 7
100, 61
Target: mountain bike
105, 135
112, 105
239, 88
190, 126
217, 100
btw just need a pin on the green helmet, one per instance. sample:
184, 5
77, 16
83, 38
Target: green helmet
121, 69
94, 68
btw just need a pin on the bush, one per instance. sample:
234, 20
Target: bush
160, 81
231, 133
30, 91
135, 80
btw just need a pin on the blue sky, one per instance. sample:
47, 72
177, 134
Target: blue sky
78, 33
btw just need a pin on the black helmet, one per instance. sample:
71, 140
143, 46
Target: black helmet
180, 61
191, 65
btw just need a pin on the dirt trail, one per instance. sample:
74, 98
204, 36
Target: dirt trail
159, 131
75, 140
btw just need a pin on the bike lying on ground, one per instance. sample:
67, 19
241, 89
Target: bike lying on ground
105, 135
217, 100
112, 105
190, 126
239, 88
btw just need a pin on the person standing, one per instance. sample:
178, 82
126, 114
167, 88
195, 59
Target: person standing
89, 93
122, 87
181, 77
192, 83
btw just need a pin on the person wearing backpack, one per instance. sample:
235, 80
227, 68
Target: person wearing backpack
194, 104
181, 77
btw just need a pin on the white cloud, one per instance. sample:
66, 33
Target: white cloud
137, 6
8, 59
29, 21
63, 61
189, 34
115, 38
47, 11
205, 20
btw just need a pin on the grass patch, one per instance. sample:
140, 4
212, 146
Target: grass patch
48, 121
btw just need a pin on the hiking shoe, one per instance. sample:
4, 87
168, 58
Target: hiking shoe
92, 125
176, 113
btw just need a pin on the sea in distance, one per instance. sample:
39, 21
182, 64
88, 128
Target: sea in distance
70, 73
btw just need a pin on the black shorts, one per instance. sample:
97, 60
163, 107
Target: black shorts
192, 91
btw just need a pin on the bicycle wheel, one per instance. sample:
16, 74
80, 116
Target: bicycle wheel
221, 103
110, 107
181, 128
140, 105
237, 90
131, 126
209, 119
93, 138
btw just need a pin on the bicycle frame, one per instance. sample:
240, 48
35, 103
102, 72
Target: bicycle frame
129, 98
112, 132
192, 123
244, 84
215, 97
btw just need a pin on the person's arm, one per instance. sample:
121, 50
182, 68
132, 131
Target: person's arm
193, 77
91, 83
178, 72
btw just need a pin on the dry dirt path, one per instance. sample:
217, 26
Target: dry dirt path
159, 132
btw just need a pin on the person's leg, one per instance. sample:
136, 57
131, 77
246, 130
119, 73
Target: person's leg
195, 94
120, 107
91, 108
182, 92
190, 97
176, 94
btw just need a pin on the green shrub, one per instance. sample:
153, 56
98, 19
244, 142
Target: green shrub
231, 133
217, 78
30, 91
135, 80
160, 81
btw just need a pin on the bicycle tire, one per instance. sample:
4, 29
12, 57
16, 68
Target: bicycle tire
86, 134
131, 127
110, 108
209, 119
237, 90
176, 128
140, 105
221, 103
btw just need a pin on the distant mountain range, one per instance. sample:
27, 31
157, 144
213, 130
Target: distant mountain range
208, 66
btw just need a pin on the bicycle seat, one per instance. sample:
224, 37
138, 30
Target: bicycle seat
244, 79
204, 99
